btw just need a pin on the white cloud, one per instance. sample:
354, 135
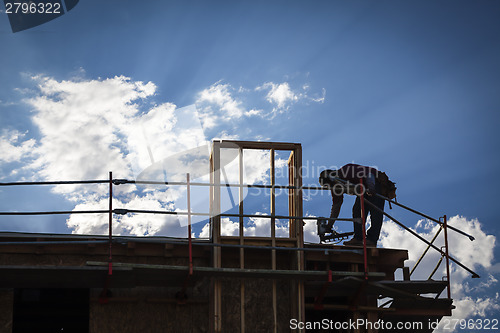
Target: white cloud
222, 103
257, 226
218, 104
279, 94
282, 96
469, 307
220, 95
83, 126
163, 134
88, 127
261, 226
13, 147
321, 98
481, 286
129, 224
310, 231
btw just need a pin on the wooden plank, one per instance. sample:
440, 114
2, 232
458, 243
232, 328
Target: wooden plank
421, 312
417, 287
341, 307
258, 241
258, 145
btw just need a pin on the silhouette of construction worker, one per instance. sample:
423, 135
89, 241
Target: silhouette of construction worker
353, 174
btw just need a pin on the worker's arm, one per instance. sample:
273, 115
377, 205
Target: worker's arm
336, 204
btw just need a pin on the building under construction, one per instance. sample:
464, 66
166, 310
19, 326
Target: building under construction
82, 283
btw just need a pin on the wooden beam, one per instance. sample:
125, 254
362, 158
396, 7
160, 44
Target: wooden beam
341, 307
421, 312
259, 145
242, 273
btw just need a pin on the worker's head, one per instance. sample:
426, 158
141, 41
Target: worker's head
326, 177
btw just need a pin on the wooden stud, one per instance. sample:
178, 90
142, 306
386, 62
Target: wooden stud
273, 238
291, 195
299, 227
242, 240
217, 261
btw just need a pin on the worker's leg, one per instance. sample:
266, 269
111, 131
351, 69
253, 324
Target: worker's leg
356, 213
376, 218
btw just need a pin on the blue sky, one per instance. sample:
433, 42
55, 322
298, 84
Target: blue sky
410, 87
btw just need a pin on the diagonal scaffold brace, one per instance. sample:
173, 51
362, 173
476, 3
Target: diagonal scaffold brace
474, 274
426, 216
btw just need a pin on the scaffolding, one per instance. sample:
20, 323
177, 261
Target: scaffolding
321, 277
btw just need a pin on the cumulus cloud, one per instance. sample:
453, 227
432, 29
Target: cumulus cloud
472, 298
88, 127
282, 96
167, 135
13, 147
220, 103
129, 224
220, 95
260, 226
279, 94
468, 307
83, 126
257, 226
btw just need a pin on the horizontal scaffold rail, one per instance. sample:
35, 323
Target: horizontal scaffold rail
122, 211
243, 272
57, 182
154, 182
146, 182
60, 212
